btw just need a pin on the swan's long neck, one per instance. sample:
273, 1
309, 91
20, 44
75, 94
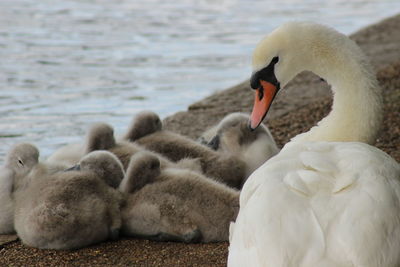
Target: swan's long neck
356, 113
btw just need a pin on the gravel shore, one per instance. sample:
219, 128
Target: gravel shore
295, 110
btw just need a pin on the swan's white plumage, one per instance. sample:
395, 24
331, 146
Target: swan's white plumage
306, 210
326, 199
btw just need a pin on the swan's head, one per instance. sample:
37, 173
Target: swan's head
285, 52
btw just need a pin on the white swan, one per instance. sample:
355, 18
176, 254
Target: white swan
326, 199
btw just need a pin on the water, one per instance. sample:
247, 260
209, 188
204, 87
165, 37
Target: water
66, 64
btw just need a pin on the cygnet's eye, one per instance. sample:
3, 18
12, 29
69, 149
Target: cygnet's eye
20, 162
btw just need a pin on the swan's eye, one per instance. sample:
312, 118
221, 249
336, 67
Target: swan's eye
275, 60
20, 162
265, 74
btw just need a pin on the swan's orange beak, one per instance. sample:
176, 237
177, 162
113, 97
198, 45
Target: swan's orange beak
262, 101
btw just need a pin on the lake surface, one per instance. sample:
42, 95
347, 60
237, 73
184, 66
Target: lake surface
67, 64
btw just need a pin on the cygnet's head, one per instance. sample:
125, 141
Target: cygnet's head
144, 123
233, 132
233, 136
22, 158
143, 168
100, 137
105, 165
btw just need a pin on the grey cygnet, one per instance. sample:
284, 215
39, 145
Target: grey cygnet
233, 136
101, 137
146, 130
22, 160
73, 208
175, 204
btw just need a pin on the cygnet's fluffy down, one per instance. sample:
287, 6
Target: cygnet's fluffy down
20, 160
69, 154
175, 205
74, 208
100, 136
233, 136
146, 130
7, 203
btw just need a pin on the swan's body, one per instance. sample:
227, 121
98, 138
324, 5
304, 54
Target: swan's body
317, 203
326, 199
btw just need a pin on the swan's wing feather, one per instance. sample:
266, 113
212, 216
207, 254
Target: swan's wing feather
269, 234
367, 223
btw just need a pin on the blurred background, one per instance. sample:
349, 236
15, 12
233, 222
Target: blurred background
69, 63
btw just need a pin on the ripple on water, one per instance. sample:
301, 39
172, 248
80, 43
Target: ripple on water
67, 64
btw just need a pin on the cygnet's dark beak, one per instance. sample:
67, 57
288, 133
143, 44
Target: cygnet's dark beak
214, 142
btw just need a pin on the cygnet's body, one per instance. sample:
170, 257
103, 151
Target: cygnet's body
146, 130
232, 135
7, 203
69, 154
74, 208
19, 162
175, 205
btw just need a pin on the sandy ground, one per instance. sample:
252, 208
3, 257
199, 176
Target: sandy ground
296, 109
